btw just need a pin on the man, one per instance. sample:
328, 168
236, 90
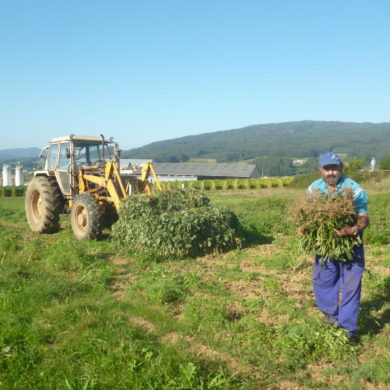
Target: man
335, 275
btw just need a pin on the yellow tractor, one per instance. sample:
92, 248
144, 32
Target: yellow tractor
83, 176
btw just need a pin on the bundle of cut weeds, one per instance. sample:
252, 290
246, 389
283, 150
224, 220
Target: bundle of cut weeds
319, 218
174, 224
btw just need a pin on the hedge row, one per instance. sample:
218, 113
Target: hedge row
229, 184
12, 191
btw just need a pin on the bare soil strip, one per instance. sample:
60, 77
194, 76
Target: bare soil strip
198, 349
9, 224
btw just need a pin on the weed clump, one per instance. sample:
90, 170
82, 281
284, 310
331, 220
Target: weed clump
178, 223
319, 217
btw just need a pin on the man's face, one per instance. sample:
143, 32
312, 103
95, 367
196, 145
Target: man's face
331, 174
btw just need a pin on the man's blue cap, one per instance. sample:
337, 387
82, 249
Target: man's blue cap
330, 159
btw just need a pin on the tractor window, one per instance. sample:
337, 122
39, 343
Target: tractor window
64, 160
86, 154
95, 153
52, 157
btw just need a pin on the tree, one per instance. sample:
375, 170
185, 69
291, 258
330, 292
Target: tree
385, 164
353, 165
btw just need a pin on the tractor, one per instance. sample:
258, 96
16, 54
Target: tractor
83, 177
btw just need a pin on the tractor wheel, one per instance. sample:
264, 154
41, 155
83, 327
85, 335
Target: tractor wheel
85, 217
43, 204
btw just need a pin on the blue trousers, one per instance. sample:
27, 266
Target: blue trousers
335, 277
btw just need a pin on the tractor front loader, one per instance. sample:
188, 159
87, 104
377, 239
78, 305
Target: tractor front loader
83, 176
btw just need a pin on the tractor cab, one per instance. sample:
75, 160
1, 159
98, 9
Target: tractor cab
65, 155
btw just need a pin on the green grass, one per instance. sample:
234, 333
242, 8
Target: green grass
76, 315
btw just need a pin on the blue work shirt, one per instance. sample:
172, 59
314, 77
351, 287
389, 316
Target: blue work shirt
360, 197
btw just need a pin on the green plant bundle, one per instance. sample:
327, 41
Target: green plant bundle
177, 224
319, 218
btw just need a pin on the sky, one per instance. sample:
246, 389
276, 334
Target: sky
151, 70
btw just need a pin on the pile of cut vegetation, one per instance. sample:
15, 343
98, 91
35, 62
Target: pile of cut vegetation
319, 218
178, 223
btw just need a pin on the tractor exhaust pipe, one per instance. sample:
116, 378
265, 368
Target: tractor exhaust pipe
104, 160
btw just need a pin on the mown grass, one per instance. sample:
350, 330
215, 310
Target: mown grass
75, 315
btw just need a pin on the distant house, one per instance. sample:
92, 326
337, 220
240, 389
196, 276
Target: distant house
203, 171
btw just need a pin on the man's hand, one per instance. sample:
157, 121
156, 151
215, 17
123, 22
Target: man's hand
347, 231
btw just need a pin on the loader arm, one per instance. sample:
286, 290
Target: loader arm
111, 181
147, 168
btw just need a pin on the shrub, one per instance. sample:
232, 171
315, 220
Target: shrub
7, 191
229, 184
17, 191
196, 184
253, 184
224, 184
177, 223
207, 185
219, 184
264, 183
243, 184
286, 181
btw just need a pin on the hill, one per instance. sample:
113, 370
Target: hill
26, 156
279, 140
19, 153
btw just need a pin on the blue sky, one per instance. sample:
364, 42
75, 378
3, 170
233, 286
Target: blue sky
144, 71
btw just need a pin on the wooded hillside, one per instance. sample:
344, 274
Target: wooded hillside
290, 140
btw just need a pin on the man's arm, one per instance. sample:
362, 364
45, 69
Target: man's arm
363, 222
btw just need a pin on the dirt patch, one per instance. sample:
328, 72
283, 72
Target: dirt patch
296, 285
122, 261
119, 289
317, 374
171, 337
120, 284
287, 385
142, 323
13, 225
375, 386
198, 349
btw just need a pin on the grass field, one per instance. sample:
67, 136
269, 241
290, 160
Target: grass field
76, 315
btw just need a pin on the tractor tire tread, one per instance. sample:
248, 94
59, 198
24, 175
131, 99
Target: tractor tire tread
95, 223
52, 204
